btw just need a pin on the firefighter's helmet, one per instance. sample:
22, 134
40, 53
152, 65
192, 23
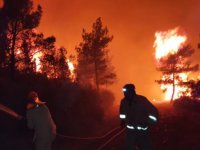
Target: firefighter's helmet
129, 88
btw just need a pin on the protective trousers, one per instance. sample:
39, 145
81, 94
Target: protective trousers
44, 142
137, 138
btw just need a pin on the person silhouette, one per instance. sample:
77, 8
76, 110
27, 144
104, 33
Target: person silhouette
39, 119
137, 114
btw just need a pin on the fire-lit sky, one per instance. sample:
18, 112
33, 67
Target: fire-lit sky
133, 24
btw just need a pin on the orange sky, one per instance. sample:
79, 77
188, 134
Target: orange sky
133, 24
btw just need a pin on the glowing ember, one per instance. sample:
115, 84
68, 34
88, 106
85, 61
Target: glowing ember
71, 69
169, 42
18, 52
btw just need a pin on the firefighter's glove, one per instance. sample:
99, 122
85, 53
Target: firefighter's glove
19, 117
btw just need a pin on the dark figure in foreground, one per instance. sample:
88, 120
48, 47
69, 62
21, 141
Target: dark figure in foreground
39, 119
137, 114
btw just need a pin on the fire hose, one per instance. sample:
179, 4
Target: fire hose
10, 112
111, 139
18, 117
88, 138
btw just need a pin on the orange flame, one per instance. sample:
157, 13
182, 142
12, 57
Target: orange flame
169, 42
71, 69
18, 52
36, 59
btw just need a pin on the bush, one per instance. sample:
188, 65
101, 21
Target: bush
188, 103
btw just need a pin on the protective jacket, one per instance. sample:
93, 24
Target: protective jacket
138, 112
39, 119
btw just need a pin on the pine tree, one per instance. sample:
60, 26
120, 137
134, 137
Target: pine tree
174, 64
28, 49
17, 17
62, 68
48, 59
94, 65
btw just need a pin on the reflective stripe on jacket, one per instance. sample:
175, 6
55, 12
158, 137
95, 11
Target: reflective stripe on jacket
139, 112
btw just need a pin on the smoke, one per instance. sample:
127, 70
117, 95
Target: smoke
77, 108
1, 3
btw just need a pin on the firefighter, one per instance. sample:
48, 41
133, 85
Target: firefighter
39, 119
137, 114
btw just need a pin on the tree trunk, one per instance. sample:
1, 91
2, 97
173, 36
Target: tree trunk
12, 58
173, 89
96, 76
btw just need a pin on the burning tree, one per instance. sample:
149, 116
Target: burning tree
15, 18
22, 48
27, 52
173, 61
51, 61
93, 62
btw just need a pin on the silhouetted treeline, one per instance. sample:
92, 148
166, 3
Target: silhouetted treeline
22, 48
195, 88
25, 50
